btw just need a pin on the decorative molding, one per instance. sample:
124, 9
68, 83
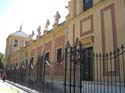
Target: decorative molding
90, 30
114, 33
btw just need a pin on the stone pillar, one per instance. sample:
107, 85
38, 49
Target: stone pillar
53, 57
73, 8
79, 6
96, 1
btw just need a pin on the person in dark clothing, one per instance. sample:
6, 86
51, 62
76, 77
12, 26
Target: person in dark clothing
4, 76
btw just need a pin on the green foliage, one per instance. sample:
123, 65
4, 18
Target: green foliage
2, 57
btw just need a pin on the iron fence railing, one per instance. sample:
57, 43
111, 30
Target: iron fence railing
84, 72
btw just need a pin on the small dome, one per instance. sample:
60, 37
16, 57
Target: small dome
20, 34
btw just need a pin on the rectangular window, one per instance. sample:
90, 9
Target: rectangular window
47, 56
87, 4
15, 43
59, 53
26, 43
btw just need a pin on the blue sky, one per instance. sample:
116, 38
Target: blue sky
4, 5
31, 13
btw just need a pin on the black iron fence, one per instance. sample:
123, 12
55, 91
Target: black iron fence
84, 72
87, 72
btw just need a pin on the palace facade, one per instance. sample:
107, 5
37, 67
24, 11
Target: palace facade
98, 24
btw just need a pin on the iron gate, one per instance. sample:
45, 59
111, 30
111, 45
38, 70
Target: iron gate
89, 72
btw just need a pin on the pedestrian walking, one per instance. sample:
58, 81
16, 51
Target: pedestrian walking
4, 76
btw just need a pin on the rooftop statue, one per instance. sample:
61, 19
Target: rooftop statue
32, 35
39, 31
69, 6
20, 27
47, 24
57, 17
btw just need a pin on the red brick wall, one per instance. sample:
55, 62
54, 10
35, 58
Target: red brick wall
32, 52
39, 50
60, 41
59, 67
48, 46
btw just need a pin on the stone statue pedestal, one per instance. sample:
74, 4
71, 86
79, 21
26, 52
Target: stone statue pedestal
55, 26
45, 31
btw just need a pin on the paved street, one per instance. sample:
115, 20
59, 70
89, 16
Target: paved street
8, 88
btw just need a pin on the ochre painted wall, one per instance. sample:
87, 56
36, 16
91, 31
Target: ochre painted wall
100, 27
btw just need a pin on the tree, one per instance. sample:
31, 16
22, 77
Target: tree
2, 59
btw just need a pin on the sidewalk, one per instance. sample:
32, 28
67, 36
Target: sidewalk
27, 90
8, 88
11, 87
